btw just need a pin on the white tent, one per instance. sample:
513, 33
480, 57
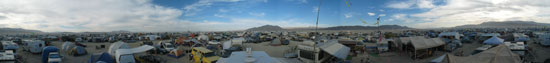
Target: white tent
117, 45
494, 41
67, 46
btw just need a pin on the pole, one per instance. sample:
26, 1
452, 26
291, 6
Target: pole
316, 30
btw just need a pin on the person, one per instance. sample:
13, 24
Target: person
190, 56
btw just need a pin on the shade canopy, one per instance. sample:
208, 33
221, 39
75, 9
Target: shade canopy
494, 41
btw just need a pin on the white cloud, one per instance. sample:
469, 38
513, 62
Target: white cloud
261, 14
223, 10
410, 4
348, 15
401, 17
190, 10
401, 5
381, 10
371, 14
425, 4
461, 12
111, 15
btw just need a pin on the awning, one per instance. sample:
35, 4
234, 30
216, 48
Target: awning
424, 43
499, 54
134, 50
336, 49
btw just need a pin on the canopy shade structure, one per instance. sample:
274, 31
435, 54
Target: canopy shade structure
494, 41
419, 42
499, 54
335, 49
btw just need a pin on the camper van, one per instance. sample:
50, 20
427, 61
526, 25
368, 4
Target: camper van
203, 55
33, 46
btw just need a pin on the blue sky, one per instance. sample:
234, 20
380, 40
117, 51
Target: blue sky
333, 12
227, 15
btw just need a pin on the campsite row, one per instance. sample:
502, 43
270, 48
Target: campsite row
439, 46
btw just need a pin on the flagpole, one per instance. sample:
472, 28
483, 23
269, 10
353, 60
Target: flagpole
317, 31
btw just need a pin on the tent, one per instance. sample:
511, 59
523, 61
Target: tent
67, 46
117, 45
498, 54
493, 41
101, 58
78, 50
275, 42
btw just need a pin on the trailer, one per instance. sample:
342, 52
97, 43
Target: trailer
33, 46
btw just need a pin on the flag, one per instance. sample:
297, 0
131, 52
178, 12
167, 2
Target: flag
377, 21
364, 22
348, 4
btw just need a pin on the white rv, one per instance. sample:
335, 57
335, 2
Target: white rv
33, 46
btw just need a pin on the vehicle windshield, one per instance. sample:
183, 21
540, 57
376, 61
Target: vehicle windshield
170, 46
54, 56
209, 54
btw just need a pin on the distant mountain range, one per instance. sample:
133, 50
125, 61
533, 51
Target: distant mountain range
506, 24
17, 30
277, 28
266, 28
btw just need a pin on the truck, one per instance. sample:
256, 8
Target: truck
50, 54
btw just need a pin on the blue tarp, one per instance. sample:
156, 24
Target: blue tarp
46, 51
494, 41
103, 57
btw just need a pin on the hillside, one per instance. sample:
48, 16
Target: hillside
382, 27
506, 24
17, 30
266, 28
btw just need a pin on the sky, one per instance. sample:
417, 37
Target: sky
227, 15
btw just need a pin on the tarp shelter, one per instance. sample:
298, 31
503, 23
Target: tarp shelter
424, 43
498, 54
494, 41
117, 45
335, 49
46, 52
239, 57
101, 58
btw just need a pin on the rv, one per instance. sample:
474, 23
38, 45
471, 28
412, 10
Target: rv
33, 46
